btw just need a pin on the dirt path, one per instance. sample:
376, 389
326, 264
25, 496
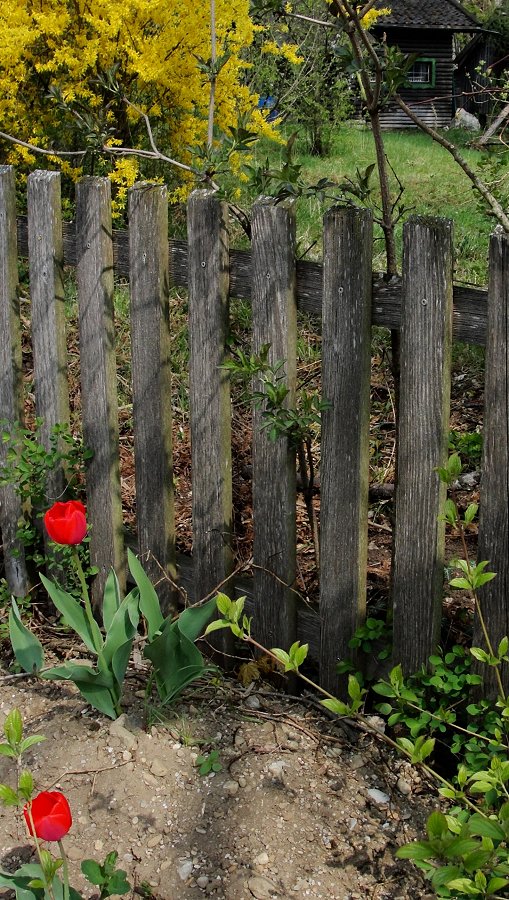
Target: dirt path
301, 807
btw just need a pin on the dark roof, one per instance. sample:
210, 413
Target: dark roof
444, 14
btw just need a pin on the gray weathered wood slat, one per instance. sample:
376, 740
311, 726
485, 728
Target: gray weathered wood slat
346, 373
469, 318
493, 526
48, 321
426, 338
11, 392
151, 385
94, 275
274, 490
209, 395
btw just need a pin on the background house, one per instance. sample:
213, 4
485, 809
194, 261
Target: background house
425, 27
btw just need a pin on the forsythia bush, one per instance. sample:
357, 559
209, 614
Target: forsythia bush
66, 67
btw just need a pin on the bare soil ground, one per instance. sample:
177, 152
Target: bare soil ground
302, 807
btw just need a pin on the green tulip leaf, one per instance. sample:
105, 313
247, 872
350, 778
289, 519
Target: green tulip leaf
75, 616
192, 621
111, 599
27, 648
177, 661
98, 688
120, 635
149, 601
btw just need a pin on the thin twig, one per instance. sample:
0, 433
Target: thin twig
36, 149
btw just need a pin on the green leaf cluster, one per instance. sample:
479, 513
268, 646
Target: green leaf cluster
464, 856
270, 396
232, 616
292, 660
209, 763
356, 694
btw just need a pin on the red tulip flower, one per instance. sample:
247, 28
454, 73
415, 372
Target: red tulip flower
66, 523
51, 815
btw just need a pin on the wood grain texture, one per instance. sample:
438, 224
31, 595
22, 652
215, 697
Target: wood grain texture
11, 393
94, 275
274, 492
426, 338
470, 304
493, 542
344, 470
49, 343
209, 392
151, 384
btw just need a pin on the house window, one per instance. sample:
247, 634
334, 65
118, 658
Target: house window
421, 73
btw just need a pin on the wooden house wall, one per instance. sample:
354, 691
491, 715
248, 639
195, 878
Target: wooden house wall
433, 105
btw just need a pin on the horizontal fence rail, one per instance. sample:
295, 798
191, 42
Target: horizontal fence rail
346, 300
470, 304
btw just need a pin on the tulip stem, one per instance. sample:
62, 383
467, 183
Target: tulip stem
48, 885
83, 584
65, 869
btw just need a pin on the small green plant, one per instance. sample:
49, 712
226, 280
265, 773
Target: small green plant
209, 763
170, 641
112, 882
430, 700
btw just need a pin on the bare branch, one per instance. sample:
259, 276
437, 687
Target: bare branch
156, 153
148, 154
35, 149
292, 15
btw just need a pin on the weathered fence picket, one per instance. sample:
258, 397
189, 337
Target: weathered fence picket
422, 439
151, 385
49, 344
209, 396
344, 471
424, 304
11, 395
494, 519
94, 276
274, 507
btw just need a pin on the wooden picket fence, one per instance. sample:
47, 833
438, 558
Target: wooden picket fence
349, 300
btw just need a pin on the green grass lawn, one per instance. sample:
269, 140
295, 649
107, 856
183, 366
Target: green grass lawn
433, 185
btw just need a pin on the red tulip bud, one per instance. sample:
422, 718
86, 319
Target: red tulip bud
51, 814
66, 523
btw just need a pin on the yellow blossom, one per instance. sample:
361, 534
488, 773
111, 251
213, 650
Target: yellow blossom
57, 58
